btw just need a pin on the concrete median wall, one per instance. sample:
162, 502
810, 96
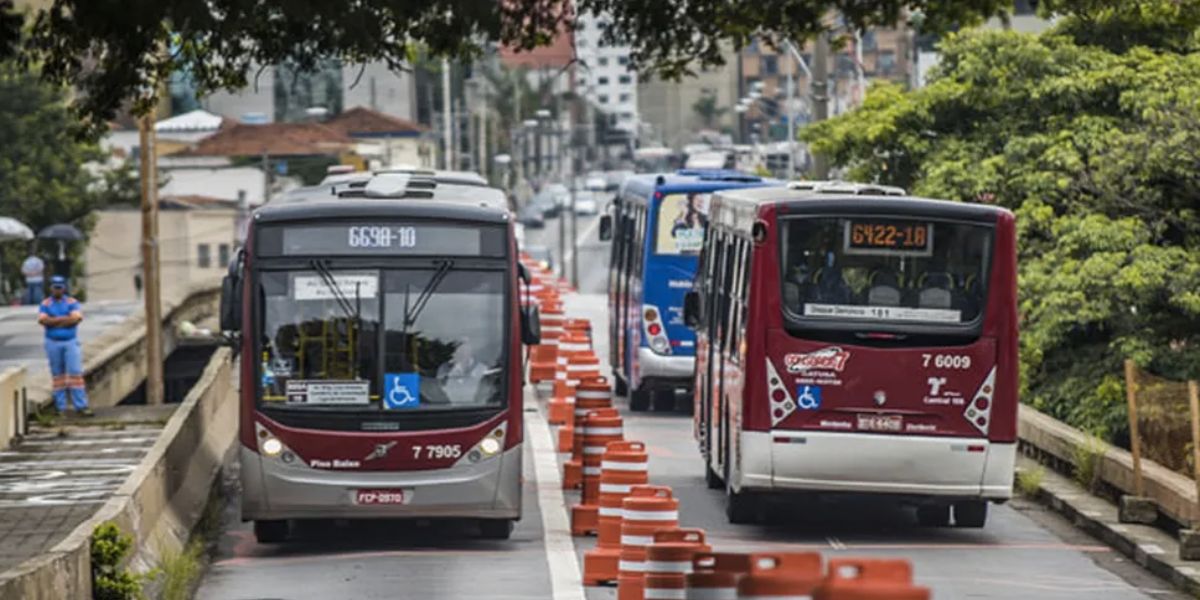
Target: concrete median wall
1174, 494
13, 416
158, 504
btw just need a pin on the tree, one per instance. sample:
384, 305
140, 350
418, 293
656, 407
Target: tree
707, 109
1095, 149
117, 51
43, 178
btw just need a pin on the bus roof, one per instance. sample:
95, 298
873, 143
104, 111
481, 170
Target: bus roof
791, 200
693, 180
378, 208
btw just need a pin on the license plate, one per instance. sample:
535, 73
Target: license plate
880, 423
374, 497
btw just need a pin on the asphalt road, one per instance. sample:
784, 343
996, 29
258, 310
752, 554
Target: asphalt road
1024, 552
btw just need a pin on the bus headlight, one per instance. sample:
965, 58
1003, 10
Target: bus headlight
489, 446
272, 446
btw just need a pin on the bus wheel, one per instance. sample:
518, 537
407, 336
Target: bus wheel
933, 515
664, 400
270, 532
496, 529
639, 399
741, 508
711, 479
619, 386
970, 513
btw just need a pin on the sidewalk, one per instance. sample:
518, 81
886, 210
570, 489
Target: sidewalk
58, 476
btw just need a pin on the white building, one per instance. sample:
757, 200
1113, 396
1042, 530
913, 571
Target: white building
604, 76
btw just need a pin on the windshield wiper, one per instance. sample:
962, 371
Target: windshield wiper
354, 312
412, 310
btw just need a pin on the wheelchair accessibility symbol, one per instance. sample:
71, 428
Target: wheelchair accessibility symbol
401, 390
808, 397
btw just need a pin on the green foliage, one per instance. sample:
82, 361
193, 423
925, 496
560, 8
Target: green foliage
179, 571
1029, 481
708, 110
1095, 151
110, 579
1086, 459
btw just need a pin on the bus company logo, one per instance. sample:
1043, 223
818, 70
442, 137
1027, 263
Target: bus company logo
380, 451
825, 359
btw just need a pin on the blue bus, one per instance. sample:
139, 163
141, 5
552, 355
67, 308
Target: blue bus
657, 228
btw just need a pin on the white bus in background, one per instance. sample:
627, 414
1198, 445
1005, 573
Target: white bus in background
710, 160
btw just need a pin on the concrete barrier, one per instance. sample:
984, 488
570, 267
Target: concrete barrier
1174, 494
115, 362
13, 418
158, 504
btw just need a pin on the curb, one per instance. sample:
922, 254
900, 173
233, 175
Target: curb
1151, 548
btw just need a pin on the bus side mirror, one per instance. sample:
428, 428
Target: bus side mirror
531, 326
523, 273
231, 306
691, 309
605, 228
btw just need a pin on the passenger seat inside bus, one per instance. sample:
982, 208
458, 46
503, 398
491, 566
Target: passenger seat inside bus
934, 290
831, 286
884, 290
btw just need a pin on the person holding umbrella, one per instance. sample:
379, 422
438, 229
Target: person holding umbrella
60, 315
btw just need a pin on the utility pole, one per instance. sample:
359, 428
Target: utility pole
791, 114
150, 271
483, 137
820, 99
447, 118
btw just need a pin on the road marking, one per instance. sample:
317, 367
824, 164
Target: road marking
566, 582
587, 232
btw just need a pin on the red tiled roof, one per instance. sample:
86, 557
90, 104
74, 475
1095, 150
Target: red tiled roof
364, 122
557, 54
273, 139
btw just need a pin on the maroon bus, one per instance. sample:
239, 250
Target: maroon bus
853, 343
381, 371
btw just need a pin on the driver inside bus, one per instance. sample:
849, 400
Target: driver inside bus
461, 375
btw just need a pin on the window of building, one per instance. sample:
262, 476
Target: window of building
627, 116
223, 255
203, 256
623, 98
1025, 7
770, 64
869, 42
887, 62
602, 81
622, 60
580, 42
603, 99
602, 61
624, 80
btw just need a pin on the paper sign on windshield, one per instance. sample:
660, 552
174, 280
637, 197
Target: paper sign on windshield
362, 286
318, 391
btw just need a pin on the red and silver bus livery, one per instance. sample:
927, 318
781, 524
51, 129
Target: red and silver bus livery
380, 361
857, 344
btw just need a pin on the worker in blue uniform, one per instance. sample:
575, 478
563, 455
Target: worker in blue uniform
60, 315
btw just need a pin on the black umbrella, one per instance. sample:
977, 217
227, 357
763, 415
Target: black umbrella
63, 232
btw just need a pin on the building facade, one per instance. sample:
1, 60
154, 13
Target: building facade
675, 111
604, 75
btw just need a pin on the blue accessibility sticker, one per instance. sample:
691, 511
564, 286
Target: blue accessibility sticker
401, 390
808, 397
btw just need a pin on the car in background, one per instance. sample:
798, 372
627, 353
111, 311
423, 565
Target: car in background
559, 193
531, 216
545, 203
586, 204
596, 182
542, 255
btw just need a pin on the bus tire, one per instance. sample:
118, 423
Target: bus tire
620, 388
970, 513
664, 400
741, 508
711, 479
270, 532
496, 529
639, 399
933, 515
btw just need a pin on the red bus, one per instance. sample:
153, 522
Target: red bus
853, 343
380, 345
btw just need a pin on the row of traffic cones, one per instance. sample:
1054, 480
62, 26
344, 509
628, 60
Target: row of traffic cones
640, 544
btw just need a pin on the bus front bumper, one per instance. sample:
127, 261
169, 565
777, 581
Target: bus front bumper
657, 366
967, 468
273, 489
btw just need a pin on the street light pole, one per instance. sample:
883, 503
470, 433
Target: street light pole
791, 117
820, 97
150, 271
447, 118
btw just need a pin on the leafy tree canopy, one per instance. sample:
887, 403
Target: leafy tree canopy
1095, 147
113, 51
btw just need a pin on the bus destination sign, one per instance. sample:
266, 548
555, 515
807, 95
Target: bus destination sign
877, 236
381, 239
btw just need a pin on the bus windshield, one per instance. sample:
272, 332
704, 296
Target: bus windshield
895, 270
391, 341
682, 219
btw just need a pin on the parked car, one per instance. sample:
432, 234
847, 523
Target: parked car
560, 193
531, 216
545, 203
541, 254
585, 203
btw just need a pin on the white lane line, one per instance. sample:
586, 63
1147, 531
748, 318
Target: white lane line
587, 232
566, 582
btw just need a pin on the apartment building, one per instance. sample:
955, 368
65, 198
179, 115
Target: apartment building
604, 76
